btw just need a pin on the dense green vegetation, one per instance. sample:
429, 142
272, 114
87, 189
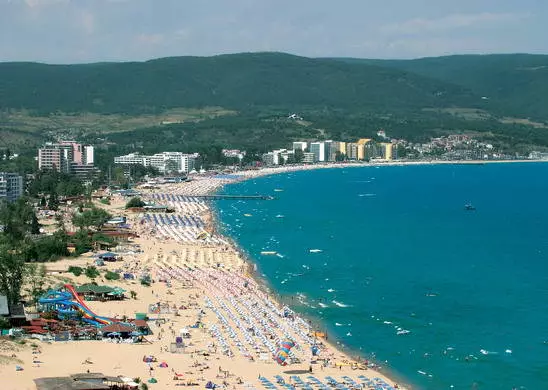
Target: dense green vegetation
234, 81
134, 202
254, 93
515, 83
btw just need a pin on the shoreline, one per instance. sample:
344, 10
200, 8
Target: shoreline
210, 274
213, 184
254, 272
254, 269
247, 174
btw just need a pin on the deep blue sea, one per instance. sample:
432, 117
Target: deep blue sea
399, 253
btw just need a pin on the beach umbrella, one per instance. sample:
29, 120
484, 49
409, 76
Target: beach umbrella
282, 353
163, 365
152, 380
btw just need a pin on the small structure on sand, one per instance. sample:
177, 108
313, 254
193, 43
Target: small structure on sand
87, 381
117, 329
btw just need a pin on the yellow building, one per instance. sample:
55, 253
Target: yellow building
342, 147
363, 141
388, 150
361, 152
355, 151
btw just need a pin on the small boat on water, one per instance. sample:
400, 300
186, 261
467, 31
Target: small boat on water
278, 190
269, 253
315, 250
469, 207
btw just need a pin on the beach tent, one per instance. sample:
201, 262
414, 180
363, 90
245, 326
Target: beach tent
163, 365
210, 385
108, 256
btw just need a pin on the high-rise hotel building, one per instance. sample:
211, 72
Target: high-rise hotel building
67, 157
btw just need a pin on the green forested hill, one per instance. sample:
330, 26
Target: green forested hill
232, 81
242, 100
516, 83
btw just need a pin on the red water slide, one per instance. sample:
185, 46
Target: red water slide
78, 299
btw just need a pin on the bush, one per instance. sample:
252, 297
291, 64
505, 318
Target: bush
109, 275
92, 272
135, 202
4, 323
105, 201
145, 281
76, 271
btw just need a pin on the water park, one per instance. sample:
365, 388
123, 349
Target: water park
67, 304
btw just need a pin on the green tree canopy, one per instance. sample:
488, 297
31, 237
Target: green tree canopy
94, 217
135, 202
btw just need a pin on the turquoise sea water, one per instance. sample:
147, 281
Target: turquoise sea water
399, 252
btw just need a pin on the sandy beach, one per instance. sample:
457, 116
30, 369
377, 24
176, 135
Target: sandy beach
206, 291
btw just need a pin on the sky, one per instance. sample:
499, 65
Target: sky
80, 31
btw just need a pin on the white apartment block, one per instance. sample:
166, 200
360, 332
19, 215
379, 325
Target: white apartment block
300, 145
164, 162
318, 148
11, 186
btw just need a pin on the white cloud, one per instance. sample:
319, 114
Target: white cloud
44, 3
451, 22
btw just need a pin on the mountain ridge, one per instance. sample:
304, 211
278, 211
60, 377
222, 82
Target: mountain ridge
233, 81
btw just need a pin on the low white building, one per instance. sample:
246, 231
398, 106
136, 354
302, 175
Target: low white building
164, 162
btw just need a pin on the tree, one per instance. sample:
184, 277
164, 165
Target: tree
35, 277
53, 203
171, 166
94, 217
135, 202
299, 156
119, 175
133, 294
4, 323
92, 272
76, 271
109, 275
60, 222
12, 271
16, 219
34, 225
290, 158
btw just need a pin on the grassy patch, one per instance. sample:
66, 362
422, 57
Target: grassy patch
22, 123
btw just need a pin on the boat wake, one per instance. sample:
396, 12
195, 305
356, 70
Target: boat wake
340, 304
